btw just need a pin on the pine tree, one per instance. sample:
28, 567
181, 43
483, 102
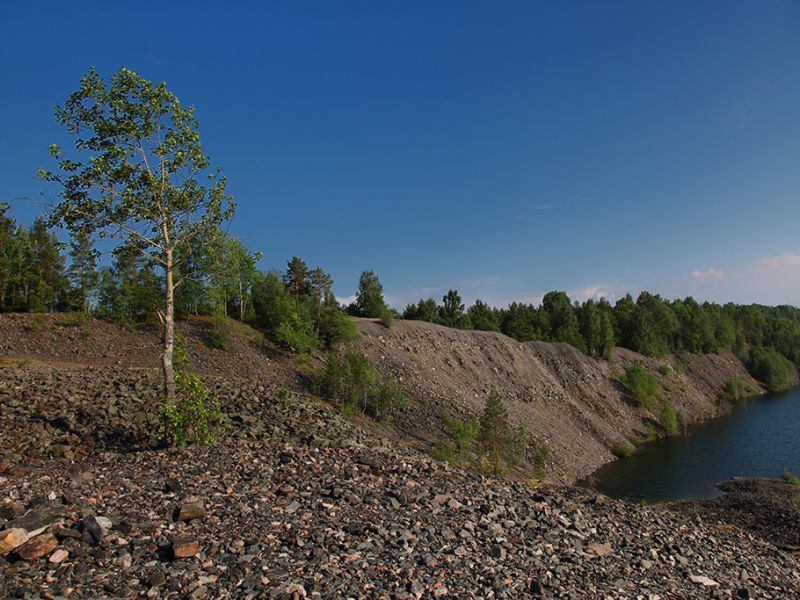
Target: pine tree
295, 278
369, 299
495, 437
82, 270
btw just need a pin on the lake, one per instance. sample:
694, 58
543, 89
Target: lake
760, 438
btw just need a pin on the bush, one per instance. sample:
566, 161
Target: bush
773, 369
335, 327
622, 450
297, 335
192, 418
642, 385
350, 380
665, 370
789, 477
669, 420
219, 336
462, 435
283, 396
738, 389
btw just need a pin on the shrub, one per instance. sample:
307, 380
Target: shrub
219, 336
669, 420
350, 380
192, 418
335, 327
283, 396
180, 351
642, 385
665, 370
462, 436
387, 318
738, 389
298, 335
36, 324
773, 369
789, 477
622, 450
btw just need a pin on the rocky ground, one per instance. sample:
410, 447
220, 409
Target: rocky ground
264, 520
770, 508
296, 502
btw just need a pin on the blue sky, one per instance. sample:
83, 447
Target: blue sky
501, 148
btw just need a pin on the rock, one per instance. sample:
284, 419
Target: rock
40, 517
191, 510
37, 547
498, 552
703, 580
89, 525
184, 547
605, 549
11, 539
58, 556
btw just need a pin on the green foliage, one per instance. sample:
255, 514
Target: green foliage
180, 353
773, 369
622, 450
219, 335
789, 477
335, 327
193, 418
499, 447
462, 435
283, 396
351, 381
369, 299
643, 386
665, 370
298, 335
669, 421
738, 389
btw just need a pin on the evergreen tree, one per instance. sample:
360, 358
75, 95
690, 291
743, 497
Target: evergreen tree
494, 436
452, 311
483, 317
83, 270
369, 299
295, 278
49, 285
321, 284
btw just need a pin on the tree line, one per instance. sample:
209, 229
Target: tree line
767, 339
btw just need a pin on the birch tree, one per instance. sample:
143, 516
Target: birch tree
139, 175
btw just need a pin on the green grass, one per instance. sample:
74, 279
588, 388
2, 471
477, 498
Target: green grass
622, 450
789, 477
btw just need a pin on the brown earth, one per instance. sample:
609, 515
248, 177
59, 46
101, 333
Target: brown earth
570, 400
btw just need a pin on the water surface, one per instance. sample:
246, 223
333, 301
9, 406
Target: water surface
760, 438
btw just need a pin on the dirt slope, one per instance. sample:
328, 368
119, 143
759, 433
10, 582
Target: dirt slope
570, 400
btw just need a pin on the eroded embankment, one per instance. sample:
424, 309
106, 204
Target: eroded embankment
572, 401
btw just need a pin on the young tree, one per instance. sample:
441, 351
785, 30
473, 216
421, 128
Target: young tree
495, 436
7, 242
144, 178
321, 284
452, 311
369, 300
49, 285
483, 317
295, 278
82, 270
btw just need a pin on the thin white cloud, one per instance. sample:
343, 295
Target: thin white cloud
526, 218
595, 292
710, 274
785, 261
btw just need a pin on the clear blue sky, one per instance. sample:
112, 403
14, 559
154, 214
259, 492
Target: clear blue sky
500, 148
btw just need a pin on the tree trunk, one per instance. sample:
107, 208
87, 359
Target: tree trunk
169, 332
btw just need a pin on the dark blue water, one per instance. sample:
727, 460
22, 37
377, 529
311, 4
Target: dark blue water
761, 438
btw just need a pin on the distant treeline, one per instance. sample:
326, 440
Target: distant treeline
298, 309
766, 338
